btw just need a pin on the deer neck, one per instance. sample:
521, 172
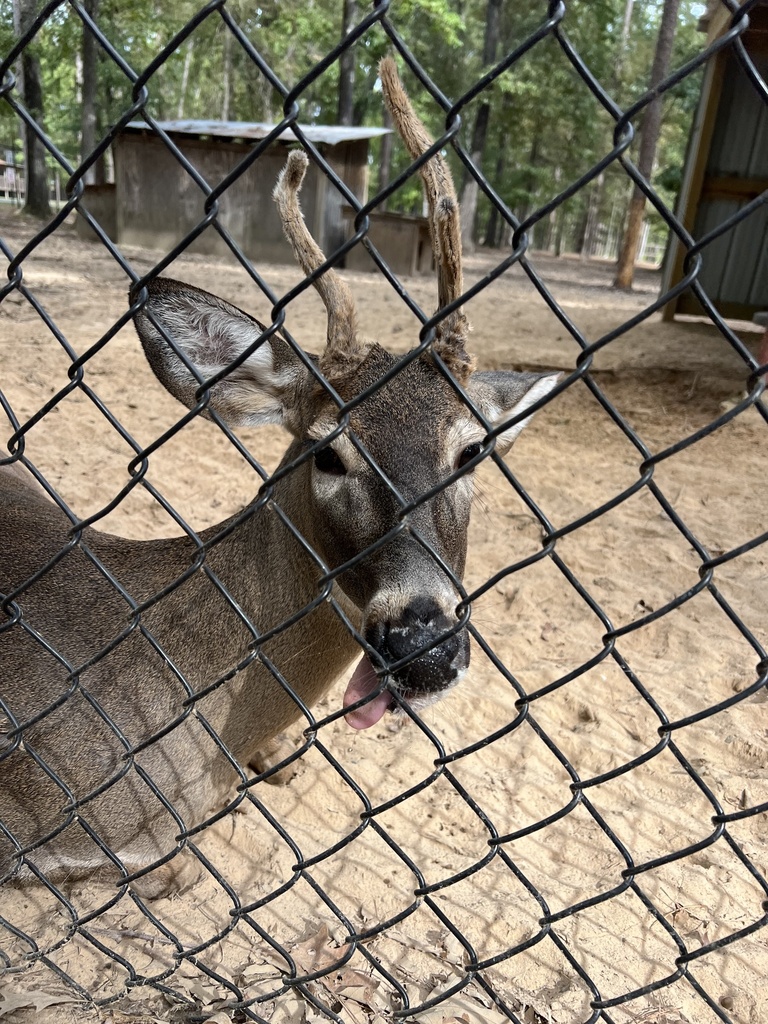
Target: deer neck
271, 579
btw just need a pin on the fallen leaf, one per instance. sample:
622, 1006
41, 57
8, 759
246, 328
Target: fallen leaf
10, 1001
460, 1009
260, 969
315, 953
352, 984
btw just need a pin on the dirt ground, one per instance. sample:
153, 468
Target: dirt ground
666, 381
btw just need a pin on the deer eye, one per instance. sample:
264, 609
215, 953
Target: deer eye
469, 453
328, 461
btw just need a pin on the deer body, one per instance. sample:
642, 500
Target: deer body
135, 684
99, 740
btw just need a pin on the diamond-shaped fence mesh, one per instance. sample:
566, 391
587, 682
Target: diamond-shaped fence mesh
578, 833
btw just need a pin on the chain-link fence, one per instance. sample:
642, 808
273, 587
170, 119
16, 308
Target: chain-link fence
578, 833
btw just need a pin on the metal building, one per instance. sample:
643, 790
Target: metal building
726, 168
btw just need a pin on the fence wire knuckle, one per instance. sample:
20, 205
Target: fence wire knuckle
284, 929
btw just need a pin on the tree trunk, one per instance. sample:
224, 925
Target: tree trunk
493, 227
554, 222
470, 188
648, 139
618, 67
468, 206
35, 171
559, 229
593, 216
226, 96
346, 112
580, 234
531, 185
185, 77
89, 118
495, 221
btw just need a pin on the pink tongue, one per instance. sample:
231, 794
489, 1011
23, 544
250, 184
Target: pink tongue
363, 682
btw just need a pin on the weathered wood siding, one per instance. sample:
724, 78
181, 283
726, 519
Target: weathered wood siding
158, 202
402, 241
99, 201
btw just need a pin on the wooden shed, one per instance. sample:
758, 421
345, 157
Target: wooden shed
155, 202
403, 241
727, 167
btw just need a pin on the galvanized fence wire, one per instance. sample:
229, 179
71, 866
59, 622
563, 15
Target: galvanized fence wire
243, 913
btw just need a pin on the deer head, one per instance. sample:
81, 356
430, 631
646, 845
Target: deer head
410, 437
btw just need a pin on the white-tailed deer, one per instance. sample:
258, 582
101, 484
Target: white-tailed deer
103, 746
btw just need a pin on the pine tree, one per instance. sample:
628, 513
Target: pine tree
649, 137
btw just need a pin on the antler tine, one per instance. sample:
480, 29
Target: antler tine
342, 340
444, 222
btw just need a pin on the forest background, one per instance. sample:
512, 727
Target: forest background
535, 130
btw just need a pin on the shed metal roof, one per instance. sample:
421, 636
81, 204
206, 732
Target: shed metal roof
331, 135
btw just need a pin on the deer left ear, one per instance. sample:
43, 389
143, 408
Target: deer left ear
500, 395
211, 333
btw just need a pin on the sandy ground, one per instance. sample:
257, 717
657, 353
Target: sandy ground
666, 381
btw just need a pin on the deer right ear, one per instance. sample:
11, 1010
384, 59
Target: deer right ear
211, 333
502, 394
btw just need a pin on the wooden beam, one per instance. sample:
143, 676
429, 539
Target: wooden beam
733, 188
694, 171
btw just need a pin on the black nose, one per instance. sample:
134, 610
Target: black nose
416, 634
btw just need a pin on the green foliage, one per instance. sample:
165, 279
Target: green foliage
546, 128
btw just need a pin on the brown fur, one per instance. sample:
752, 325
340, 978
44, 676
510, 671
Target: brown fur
125, 716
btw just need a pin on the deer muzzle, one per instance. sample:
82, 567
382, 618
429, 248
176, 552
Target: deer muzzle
423, 659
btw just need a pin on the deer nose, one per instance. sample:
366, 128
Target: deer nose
433, 665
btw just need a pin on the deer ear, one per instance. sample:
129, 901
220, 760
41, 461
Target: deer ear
500, 395
211, 333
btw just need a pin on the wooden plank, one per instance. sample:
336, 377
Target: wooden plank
689, 306
733, 187
158, 202
399, 240
693, 173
